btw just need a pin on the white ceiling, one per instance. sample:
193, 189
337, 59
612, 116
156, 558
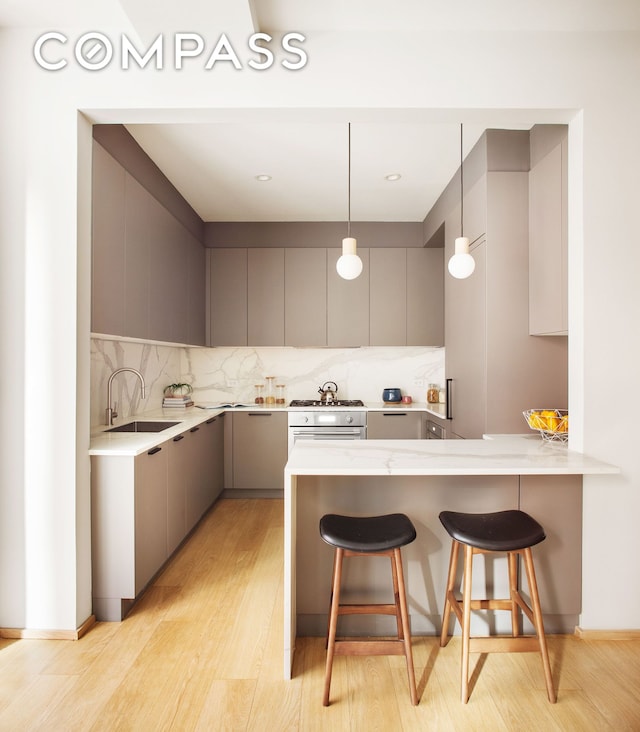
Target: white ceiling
214, 165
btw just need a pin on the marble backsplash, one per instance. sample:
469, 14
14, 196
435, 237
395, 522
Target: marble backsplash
230, 374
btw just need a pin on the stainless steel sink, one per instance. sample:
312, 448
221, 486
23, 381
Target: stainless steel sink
143, 427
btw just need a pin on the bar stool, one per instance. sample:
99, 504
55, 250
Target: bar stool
513, 532
380, 536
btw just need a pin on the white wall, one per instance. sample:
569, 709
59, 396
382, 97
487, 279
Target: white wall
43, 579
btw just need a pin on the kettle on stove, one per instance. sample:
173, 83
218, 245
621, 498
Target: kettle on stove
327, 393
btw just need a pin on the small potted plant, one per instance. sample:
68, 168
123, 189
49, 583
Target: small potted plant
178, 390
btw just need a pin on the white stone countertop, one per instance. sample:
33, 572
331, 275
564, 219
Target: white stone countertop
501, 455
135, 443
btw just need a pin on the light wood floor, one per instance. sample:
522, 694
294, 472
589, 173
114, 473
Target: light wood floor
203, 651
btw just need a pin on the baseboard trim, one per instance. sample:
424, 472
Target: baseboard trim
609, 635
32, 634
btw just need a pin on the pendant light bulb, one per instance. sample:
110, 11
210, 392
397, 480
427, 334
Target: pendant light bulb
349, 265
462, 264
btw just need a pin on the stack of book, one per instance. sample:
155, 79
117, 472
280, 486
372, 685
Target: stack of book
177, 400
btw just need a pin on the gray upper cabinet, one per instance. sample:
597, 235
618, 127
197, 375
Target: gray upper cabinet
347, 304
295, 297
108, 252
387, 297
305, 297
425, 297
148, 275
227, 291
548, 231
265, 297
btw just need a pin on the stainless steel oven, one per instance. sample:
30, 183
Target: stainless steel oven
327, 424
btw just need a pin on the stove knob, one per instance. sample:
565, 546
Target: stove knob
305, 419
349, 419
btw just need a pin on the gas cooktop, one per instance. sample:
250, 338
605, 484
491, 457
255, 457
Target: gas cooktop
318, 403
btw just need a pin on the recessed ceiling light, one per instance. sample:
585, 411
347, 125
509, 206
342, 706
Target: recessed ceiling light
263, 178
393, 176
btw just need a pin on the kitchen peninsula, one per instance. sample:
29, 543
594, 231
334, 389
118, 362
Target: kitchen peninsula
421, 478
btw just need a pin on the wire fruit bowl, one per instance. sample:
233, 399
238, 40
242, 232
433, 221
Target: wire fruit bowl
552, 424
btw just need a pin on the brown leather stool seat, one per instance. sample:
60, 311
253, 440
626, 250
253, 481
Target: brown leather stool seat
356, 536
513, 532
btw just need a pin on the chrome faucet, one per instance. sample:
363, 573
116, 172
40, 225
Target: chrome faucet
111, 411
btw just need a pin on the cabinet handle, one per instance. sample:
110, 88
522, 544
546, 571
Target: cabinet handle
194, 429
448, 398
178, 438
260, 414
394, 414
154, 450
210, 421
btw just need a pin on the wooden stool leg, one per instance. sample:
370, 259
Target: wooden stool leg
537, 615
396, 595
513, 592
466, 622
406, 632
451, 580
333, 622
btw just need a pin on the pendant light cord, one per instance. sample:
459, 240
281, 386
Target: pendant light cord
349, 185
461, 185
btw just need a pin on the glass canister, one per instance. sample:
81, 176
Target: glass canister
280, 399
433, 394
259, 397
270, 396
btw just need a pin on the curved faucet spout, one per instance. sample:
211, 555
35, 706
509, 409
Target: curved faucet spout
111, 412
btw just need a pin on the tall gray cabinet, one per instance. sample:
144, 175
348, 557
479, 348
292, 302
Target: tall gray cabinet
496, 368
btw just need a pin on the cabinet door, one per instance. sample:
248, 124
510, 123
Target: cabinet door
305, 297
227, 297
150, 515
425, 297
548, 244
347, 304
395, 425
214, 429
197, 489
108, 254
266, 297
388, 297
178, 474
465, 338
259, 450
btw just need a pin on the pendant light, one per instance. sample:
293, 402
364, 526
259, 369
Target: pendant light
349, 265
461, 264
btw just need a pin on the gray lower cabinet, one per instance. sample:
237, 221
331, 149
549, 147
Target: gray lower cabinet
128, 527
259, 450
395, 425
143, 507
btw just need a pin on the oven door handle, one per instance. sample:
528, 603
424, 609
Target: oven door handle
327, 435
